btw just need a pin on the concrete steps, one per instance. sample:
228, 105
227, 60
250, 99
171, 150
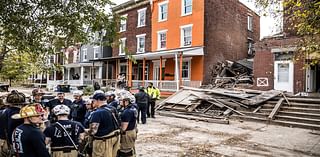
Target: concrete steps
296, 124
298, 119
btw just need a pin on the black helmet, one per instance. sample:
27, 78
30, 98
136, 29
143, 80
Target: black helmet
16, 98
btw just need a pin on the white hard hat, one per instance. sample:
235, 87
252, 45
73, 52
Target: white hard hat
98, 91
61, 110
77, 93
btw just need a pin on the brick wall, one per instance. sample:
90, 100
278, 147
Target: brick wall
132, 31
264, 60
226, 32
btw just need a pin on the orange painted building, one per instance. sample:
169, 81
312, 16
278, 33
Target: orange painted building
188, 37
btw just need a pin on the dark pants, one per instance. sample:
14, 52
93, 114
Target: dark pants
142, 111
151, 108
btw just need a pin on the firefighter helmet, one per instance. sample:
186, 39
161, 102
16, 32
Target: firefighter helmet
16, 98
61, 110
77, 93
37, 91
29, 111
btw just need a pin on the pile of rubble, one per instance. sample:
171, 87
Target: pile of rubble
230, 74
218, 104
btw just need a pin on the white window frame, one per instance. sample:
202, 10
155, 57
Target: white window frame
250, 22
141, 11
160, 13
122, 46
182, 35
189, 69
96, 52
183, 6
140, 36
85, 54
159, 39
123, 21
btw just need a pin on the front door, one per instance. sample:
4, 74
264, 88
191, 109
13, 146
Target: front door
283, 75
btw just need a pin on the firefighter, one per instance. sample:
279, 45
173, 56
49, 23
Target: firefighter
27, 138
4, 152
78, 107
142, 99
59, 100
16, 101
104, 127
37, 96
111, 99
64, 135
154, 94
128, 128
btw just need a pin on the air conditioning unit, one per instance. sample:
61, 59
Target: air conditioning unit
187, 43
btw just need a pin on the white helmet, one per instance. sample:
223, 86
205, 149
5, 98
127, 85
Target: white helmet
98, 91
77, 93
61, 110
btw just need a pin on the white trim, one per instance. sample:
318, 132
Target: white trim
250, 22
145, 17
159, 10
138, 40
159, 41
182, 35
284, 49
121, 48
85, 54
123, 16
189, 70
94, 51
183, 6
141, 35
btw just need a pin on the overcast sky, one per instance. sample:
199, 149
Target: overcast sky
267, 24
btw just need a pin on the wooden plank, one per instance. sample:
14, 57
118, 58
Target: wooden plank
227, 107
206, 99
227, 112
303, 99
257, 109
204, 111
285, 97
276, 109
165, 100
221, 91
261, 98
190, 117
240, 104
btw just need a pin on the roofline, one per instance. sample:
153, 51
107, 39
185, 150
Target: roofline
129, 5
248, 8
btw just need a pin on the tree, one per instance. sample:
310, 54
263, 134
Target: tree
16, 67
301, 17
46, 26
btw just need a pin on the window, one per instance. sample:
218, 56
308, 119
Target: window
122, 46
85, 54
186, 7
186, 70
250, 23
123, 68
142, 17
163, 11
141, 43
186, 35
123, 23
162, 39
96, 52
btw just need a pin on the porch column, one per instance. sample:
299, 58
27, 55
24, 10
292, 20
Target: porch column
117, 73
180, 70
129, 73
81, 75
107, 71
160, 77
68, 75
176, 71
100, 72
143, 71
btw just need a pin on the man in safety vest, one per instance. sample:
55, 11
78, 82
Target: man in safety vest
154, 94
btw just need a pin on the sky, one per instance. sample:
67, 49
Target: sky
267, 24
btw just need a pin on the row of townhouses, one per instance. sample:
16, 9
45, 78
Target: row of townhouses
174, 43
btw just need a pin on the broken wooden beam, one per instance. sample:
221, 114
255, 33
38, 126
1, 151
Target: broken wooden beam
257, 109
227, 107
261, 97
276, 109
190, 117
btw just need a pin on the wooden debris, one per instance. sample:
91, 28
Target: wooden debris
276, 109
257, 109
261, 98
190, 117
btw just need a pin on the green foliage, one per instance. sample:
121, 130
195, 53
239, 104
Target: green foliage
47, 26
88, 90
17, 66
303, 17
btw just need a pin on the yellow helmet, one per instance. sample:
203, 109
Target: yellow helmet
29, 111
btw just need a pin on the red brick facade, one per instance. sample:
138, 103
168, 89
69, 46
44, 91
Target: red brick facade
226, 32
264, 62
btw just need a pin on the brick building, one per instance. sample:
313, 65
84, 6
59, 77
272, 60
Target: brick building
182, 39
